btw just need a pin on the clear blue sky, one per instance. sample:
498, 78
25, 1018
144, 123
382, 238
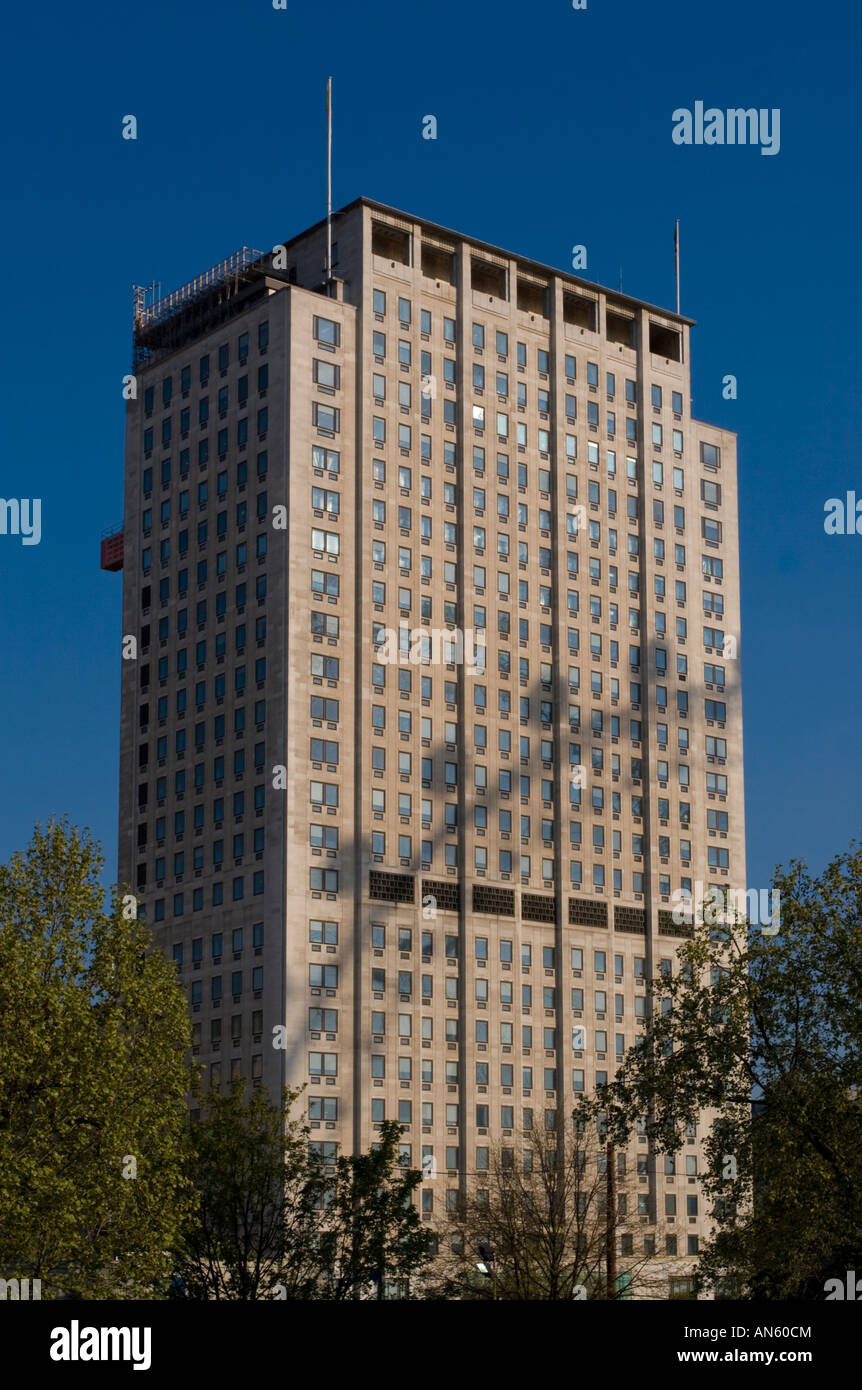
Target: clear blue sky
554, 129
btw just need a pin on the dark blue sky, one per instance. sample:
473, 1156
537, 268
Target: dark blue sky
554, 128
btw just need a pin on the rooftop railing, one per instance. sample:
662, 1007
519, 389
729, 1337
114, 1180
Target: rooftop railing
154, 311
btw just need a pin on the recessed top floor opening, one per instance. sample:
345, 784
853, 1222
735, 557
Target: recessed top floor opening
438, 263
392, 243
620, 328
665, 342
580, 310
486, 277
533, 297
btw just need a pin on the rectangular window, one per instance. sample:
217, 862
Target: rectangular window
710, 455
710, 492
326, 417
326, 331
326, 373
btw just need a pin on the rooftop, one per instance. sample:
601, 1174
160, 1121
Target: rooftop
163, 323
538, 267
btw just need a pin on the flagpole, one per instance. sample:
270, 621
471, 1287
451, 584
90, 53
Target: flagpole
676, 260
328, 180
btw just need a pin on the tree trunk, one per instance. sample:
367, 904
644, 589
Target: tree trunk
610, 1225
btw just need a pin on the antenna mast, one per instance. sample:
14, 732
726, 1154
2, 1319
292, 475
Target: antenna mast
676, 260
328, 180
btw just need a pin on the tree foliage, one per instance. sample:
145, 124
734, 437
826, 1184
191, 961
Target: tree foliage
543, 1223
252, 1231
272, 1220
766, 1031
92, 1079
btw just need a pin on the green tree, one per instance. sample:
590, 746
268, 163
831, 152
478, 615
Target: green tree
557, 1220
252, 1233
272, 1220
92, 1079
371, 1233
766, 1032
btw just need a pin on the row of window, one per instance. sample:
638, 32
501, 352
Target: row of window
327, 793
481, 1029
254, 841
236, 987
718, 858
203, 571
326, 837
331, 460
181, 901
406, 647
237, 1069
222, 400
326, 1064
183, 821
320, 1108
222, 363
198, 779
217, 991
236, 1030
202, 533
242, 435
203, 487
713, 709
237, 938
327, 976
218, 649
323, 498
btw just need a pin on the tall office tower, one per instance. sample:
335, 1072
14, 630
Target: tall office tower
426, 865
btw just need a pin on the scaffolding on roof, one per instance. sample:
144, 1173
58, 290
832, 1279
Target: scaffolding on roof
163, 323
151, 308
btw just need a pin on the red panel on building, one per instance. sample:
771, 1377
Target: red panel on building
112, 552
